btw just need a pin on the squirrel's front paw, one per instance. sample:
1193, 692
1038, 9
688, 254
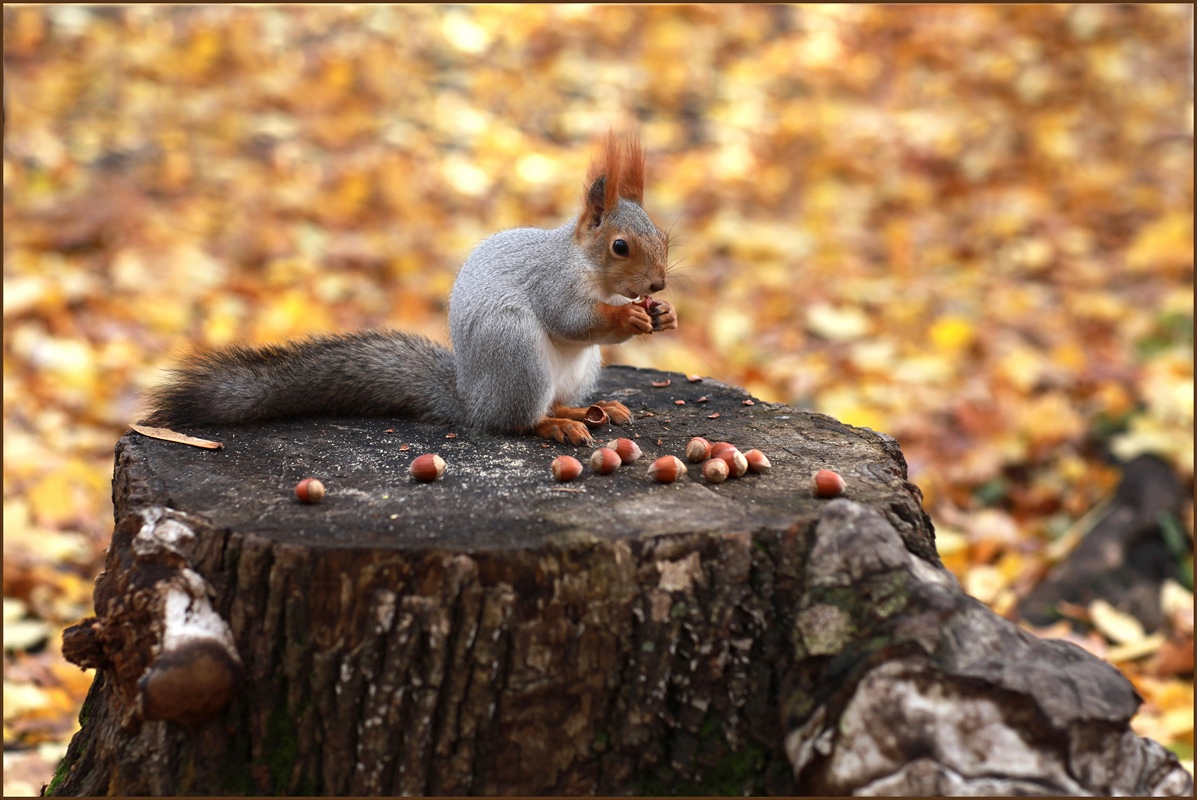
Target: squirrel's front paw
636, 320
664, 318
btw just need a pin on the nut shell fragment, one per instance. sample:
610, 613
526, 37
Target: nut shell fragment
596, 417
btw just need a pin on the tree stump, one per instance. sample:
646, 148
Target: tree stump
496, 632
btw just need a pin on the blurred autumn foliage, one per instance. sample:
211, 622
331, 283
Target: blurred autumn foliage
970, 227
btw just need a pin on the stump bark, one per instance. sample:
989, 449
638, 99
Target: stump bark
496, 632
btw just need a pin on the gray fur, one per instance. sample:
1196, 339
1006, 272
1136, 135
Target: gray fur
370, 373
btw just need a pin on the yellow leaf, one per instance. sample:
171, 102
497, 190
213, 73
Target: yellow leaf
66, 493
952, 333
1133, 651
836, 323
1179, 722
1165, 243
1115, 625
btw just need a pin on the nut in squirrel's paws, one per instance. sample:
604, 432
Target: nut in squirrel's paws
636, 319
663, 316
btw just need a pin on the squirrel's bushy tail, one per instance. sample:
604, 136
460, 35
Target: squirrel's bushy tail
371, 373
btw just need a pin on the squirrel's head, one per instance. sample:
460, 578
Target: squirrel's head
613, 228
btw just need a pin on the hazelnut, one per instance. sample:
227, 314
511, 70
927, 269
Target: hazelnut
566, 468
427, 467
604, 461
721, 447
309, 490
628, 450
827, 483
737, 464
758, 462
666, 469
715, 470
698, 449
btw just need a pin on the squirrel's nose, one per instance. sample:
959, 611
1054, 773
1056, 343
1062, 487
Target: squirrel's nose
656, 286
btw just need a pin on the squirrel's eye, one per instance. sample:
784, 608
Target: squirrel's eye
620, 248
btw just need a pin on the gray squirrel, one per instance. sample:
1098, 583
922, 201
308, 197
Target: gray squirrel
527, 315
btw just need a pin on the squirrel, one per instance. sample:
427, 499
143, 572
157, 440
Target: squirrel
527, 314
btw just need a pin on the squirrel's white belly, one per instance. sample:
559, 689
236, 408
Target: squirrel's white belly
574, 368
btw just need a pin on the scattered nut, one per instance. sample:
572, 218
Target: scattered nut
427, 467
694, 378
758, 462
309, 490
566, 468
666, 469
721, 447
679, 402
827, 483
715, 470
605, 460
628, 450
737, 464
661, 384
698, 449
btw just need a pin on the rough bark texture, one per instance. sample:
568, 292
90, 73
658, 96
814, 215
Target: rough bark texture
499, 633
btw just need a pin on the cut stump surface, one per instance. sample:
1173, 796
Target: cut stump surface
498, 632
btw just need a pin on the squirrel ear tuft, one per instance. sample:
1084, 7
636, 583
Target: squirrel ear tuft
617, 171
631, 172
606, 165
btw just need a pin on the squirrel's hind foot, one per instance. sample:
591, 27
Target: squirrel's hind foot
563, 430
